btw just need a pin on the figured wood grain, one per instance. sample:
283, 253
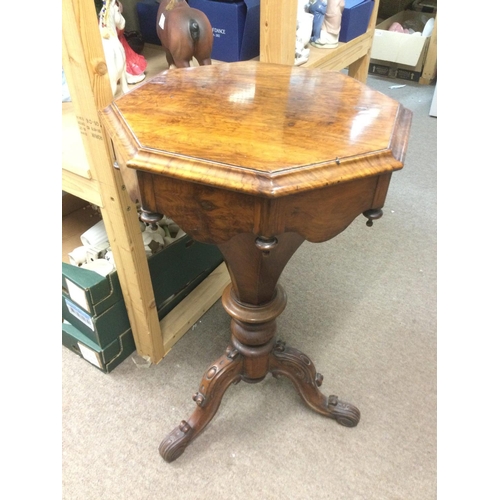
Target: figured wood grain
259, 128
215, 215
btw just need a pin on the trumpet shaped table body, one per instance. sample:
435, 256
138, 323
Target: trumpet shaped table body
256, 158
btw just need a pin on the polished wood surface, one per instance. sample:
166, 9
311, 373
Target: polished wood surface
256, 158
261, 129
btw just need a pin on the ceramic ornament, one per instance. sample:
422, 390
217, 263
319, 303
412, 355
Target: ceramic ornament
153, 240
95, 236
78, 256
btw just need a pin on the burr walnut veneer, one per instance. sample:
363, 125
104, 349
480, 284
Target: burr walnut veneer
256, 158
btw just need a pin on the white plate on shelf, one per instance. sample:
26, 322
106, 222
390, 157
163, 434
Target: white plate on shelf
429, 26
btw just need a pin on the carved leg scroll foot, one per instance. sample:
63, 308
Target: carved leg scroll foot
295, 365
344, 413
174, 444
224, 372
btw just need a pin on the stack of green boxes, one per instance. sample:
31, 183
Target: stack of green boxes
95, 321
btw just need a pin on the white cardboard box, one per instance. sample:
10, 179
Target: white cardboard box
400, 48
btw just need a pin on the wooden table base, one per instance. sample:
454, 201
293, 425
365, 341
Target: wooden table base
252, 364
254, 351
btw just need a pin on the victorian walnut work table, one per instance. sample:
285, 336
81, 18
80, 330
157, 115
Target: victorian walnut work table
256, 158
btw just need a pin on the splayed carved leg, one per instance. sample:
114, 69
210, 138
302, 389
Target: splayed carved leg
224, 372
295, 365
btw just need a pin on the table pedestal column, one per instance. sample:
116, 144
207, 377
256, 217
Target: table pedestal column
254, 300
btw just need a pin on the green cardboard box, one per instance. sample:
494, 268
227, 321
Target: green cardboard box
179, 269
104, 358
101, 329
91, 291
94, 304
173, 270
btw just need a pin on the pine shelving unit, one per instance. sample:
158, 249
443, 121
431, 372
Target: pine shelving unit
277, 41
88, 172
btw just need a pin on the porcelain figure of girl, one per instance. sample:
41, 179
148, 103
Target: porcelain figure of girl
330, 27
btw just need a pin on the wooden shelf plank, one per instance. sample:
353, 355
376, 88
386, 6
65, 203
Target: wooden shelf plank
342, 56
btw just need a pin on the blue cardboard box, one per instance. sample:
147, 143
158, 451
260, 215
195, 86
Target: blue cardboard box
236, 28
355, 19
146, 13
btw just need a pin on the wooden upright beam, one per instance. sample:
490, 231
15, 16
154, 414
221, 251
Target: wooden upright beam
88, 81
429, 71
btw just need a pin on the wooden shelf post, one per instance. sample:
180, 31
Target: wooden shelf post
88, 81
429, 71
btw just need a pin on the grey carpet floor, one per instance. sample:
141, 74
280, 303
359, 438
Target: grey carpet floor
362, 306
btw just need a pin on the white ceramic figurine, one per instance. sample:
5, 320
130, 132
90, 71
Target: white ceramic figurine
111, 19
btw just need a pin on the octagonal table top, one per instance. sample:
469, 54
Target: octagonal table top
258, 128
